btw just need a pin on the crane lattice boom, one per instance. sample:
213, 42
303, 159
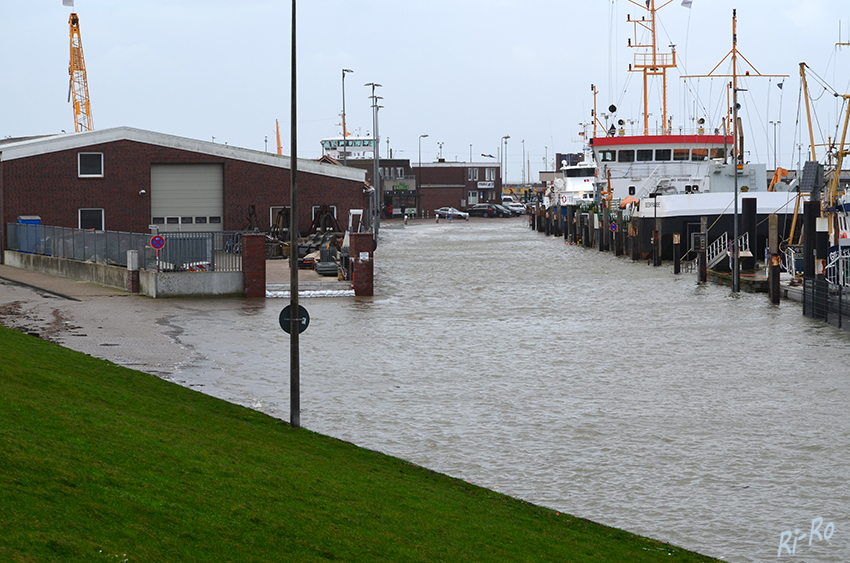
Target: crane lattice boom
79, 82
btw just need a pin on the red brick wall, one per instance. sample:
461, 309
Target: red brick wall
47, 185
435, 198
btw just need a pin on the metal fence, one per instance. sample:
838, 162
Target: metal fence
182, 252
827, 302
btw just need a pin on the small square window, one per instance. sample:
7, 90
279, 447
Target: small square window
215, 220
186, 220
158, 221
200, 220
91, 219
90, 164
172, 220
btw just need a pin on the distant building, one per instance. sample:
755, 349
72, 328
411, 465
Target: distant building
457, 184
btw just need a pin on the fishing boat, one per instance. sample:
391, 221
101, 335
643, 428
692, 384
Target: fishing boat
678, 177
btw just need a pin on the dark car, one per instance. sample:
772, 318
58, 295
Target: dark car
488, 210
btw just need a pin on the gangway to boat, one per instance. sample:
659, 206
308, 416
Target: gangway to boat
720, 249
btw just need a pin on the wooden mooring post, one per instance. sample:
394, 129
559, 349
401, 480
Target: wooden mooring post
677, 253
773, 268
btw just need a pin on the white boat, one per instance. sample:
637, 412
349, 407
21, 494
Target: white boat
679, 178
577, 185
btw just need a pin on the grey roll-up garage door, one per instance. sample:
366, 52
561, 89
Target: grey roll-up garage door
187, 197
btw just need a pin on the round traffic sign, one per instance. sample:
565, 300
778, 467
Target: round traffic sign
614, 227
157, 242
285, 319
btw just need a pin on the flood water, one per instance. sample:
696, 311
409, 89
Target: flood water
567, 377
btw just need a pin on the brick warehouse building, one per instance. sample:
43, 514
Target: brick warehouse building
457, 184
127, 179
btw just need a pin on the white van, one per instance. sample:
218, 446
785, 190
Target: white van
508, 199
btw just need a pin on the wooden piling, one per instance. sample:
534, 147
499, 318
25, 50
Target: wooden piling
703, 250
656, 240
677, 258
773, 267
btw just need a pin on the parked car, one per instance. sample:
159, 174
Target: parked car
451, 212
513, 212
488, 210
516, 207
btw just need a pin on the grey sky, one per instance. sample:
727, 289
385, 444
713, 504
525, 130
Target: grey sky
465, 73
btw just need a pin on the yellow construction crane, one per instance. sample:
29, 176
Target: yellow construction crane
79, 85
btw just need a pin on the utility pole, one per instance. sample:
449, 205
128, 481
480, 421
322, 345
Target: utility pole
376, 179
294, 351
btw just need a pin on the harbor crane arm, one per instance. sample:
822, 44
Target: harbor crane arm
79, 82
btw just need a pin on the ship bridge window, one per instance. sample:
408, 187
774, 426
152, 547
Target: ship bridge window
358, 143
718, 154
607, 156
663, 154
698, 155
644, 155
626, 156
681, 154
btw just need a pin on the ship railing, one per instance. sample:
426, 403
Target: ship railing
838, 268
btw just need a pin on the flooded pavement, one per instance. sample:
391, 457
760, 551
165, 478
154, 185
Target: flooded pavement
563, 376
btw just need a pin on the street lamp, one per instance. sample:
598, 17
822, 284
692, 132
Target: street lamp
419, 170
505, 159
344, 130
376, 156
736, 270
523, 161
774, 123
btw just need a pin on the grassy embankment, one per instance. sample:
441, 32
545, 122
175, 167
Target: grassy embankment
103, 463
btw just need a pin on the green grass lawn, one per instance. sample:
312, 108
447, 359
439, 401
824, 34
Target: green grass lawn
103, 463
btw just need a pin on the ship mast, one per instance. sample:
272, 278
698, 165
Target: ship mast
652, 63
734, 53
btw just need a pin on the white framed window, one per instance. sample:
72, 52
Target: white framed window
469, 174
475, 174
317, 207
90, 165
490, 174
90, 219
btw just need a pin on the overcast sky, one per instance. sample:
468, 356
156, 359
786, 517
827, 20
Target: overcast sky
463, 72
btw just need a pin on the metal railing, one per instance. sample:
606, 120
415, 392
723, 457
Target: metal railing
826, 302
182, 252
717, 250
838, 268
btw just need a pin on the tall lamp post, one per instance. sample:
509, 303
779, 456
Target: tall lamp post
419, 170
505, 159
344, 130
376, 156
523, 161
736, 270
